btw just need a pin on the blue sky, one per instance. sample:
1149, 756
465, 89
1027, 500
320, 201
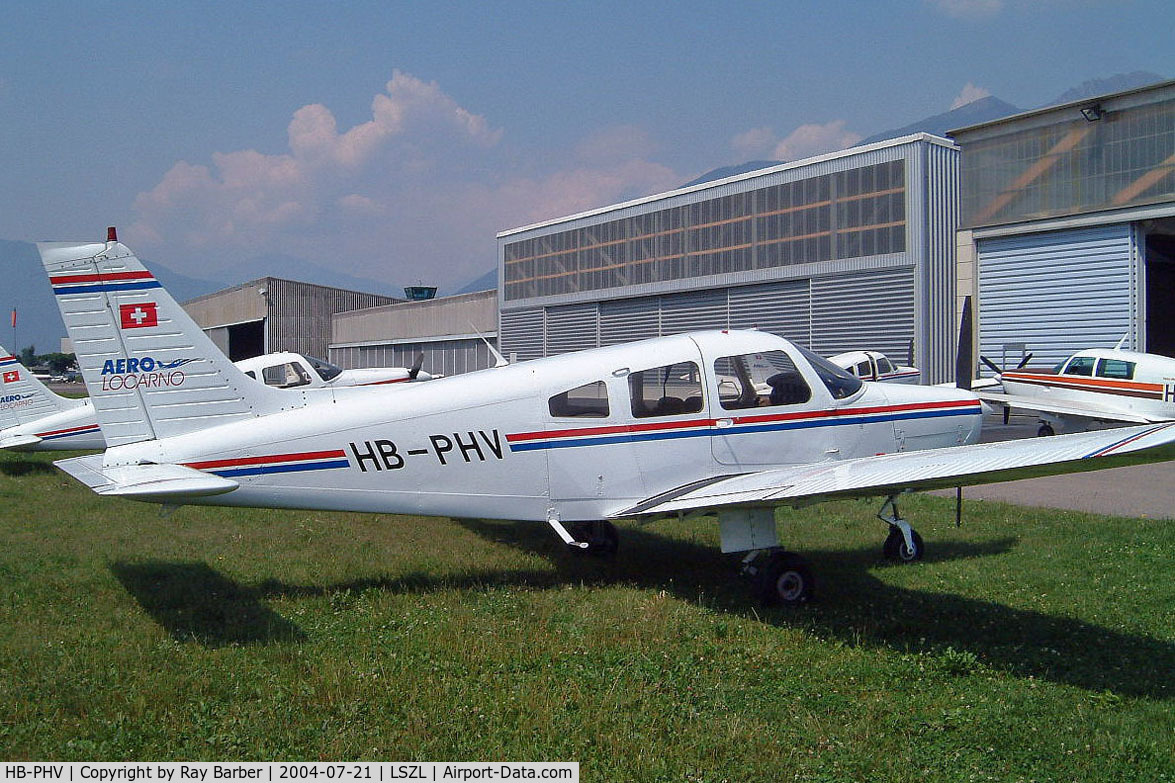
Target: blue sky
393, 140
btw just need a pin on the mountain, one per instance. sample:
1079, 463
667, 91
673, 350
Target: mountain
38, 321
982, 110
1111, 84
484, 283
290, 268
722, 172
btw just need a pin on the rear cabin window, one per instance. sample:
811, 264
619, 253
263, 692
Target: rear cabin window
884, 366
1080, 365
285, 376
587, 401
1116, 369
666, 391
757, 379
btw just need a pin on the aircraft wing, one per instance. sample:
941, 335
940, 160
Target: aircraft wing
888, 474
144, 482
1067, 408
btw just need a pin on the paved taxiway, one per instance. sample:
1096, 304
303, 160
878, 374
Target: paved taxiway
1137, 491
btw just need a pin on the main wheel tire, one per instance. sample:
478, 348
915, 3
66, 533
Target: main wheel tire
1045, 431
895, 547
601, 536
786, 579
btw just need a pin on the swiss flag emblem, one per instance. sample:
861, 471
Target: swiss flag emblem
12, 377
135, 316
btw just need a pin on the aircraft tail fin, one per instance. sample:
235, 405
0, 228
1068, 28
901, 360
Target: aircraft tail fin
150, 370
23, 398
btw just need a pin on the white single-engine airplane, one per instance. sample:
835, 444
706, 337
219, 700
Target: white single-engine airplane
34, 418
1094, 386
875, 366
666, 426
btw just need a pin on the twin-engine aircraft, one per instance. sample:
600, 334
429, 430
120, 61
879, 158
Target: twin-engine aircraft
34, 418
1094, 386
733, 422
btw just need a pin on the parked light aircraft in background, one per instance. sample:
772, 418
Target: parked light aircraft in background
34, 418
875, 366
1094, 386
661, 427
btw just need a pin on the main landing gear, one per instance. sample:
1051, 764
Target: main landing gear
903, 544
778, 577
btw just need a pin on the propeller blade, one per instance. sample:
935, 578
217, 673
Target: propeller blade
965, 359
415, 370
1007, 413
990, 365
1024, 362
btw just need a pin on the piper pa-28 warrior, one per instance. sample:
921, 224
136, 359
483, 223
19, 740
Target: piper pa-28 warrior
34, 418
732, 422
1094, 386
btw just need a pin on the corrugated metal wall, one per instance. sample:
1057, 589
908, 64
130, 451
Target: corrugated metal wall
450, 357
300, 314
1058, 292
872, 309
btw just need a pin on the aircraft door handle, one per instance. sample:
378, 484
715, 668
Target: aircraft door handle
724, 423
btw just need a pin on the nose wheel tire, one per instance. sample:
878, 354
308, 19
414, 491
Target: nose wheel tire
785, 579
896, 549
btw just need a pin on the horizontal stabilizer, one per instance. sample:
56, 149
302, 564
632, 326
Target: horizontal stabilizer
18, 441
144, 482
890, 474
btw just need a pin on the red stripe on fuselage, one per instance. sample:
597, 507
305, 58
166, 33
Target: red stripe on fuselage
273, 458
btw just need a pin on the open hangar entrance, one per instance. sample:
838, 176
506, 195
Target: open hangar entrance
240, 341
1159, 272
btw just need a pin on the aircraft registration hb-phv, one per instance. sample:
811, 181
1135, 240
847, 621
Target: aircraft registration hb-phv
34, 418
733, 422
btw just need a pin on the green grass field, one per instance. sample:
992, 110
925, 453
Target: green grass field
1030, 645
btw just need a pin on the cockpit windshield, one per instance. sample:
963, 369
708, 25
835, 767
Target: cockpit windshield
325, 370
841, 384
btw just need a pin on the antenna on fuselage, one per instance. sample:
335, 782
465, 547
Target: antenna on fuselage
499, 359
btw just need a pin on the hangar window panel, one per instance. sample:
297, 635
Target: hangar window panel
587, 401
670, 390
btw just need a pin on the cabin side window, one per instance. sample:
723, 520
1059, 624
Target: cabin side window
1116, 369
587, 401
840, 384
862, 370
884, 366
1080, 365
666, 391
285, 376
755, 379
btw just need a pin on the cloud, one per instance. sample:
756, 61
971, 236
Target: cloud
418, 190
970, 94
968, 9
812, 139
754, 143
804, 142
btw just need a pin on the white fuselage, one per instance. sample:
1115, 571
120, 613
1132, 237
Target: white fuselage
875, 366
512, 443
1111, 380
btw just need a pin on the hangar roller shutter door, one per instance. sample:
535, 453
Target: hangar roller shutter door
625, 320
865, 311
780, 308
521, 333
1055, 293
572, 328
694, 310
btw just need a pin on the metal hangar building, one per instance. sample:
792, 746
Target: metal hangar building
853, 249
1067, 238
